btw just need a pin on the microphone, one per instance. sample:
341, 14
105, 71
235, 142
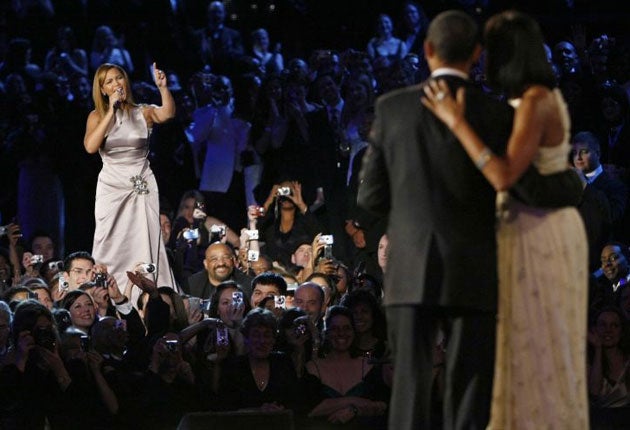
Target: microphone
147, 268
118, 102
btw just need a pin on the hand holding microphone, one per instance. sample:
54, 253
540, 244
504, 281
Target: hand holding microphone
119, 98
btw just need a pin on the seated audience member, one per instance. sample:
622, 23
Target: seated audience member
605, 197
345, 386
219, 266
369, 323
34, 385
608, 372
263, 378
385, 44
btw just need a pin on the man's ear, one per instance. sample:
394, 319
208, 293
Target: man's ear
429, 52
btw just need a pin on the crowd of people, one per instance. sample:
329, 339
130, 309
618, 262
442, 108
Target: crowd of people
269, 291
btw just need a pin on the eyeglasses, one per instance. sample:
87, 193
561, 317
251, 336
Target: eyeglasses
611, 259
581, 152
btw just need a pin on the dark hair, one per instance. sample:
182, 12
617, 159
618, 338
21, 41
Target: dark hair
213, 310
361, 296
78, 255
259, 317
25, 317
516, 56
329, 283
587, 137
335, 311
181, 317
270, 278
12, 291
72, 297
62, 318
454, 35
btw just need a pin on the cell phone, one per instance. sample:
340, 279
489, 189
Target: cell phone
194, 303
218, 229
63, 284
222, 336
284, 191
205, 306
237, 298
280, 302
85, 342
328, 254
172, 345
253, 234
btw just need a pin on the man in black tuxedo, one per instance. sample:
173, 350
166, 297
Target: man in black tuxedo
219, 266
441, 230
218, 46
605, 197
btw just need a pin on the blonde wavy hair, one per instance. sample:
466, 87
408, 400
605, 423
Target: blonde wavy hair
101, 102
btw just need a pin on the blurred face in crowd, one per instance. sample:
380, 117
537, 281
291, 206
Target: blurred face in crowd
261, 291
261, 265
81, 271
609, 329
411, 15
216, 13
585, 158
309, 299
186, 209
614, 263
302, 256
340, 333
165, 227
260, 341
43, 296
219, 262
323, 283
363, 318
566, 56
43, 245
225, 301
382, 252
384, 25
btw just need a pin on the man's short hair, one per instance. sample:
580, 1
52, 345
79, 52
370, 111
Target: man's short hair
78, 255
270, 278
589, 138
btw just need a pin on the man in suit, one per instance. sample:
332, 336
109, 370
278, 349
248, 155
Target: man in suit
442, 251
217, 45
605, 197
219, 266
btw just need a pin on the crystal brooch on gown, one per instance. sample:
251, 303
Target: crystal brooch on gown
140, 186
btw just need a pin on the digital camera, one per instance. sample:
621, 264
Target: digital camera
147, 268
284, 191
55, 265
218, 229
37, 259
280, 302
252, 234
260, 211
63, 284
191, 234
252, 255
327, 239
100, 279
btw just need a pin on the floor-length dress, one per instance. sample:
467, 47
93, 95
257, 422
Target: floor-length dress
127, 203
540, 371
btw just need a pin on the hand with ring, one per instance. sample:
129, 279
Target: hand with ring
438, 99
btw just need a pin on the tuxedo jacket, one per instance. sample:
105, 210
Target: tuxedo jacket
198, 284
441, 209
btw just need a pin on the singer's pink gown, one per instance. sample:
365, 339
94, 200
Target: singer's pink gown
127, 210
